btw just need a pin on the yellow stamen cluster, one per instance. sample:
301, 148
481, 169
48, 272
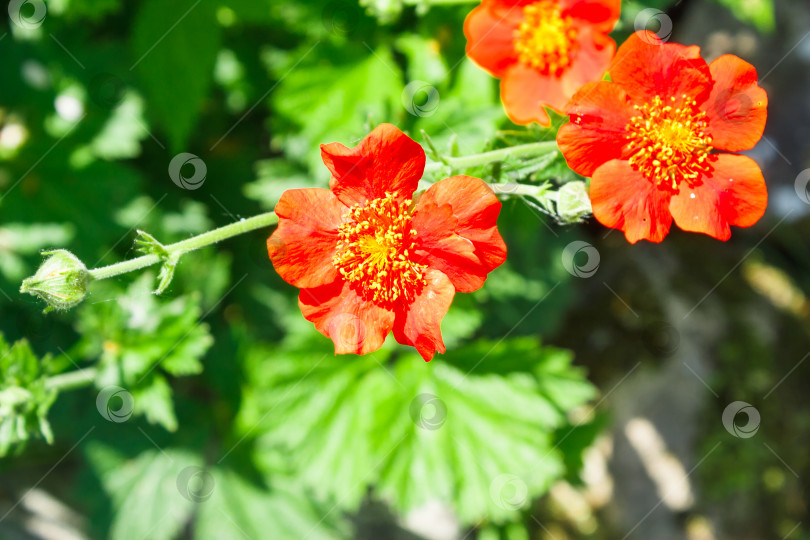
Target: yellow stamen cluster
545, 39
669, 141
374, 251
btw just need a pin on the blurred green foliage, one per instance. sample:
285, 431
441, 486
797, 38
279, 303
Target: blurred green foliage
244, 421
221, 375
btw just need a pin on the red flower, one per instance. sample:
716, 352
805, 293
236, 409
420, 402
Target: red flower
369, 260
543, 51
648, 140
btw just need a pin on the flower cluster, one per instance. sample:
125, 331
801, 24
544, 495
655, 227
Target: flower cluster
657, 140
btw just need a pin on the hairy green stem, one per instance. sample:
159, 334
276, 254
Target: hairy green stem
267, 219
181, 248
477, 160
72, 379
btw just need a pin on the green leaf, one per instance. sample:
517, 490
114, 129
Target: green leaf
175, 45
24, 396
157, 493
760, 13
467, 112
336, 101
239, 508
147, 502
274, 177
137, 336
415, 431
17, 239
154, 401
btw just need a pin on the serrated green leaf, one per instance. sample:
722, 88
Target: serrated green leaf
175, 45
153, 399
144, 492
240, 508
137, 336
349, 424
25, 397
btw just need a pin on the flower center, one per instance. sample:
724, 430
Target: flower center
545, 40
374, 249
669, 141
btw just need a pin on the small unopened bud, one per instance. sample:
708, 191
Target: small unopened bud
61, 280
573, 203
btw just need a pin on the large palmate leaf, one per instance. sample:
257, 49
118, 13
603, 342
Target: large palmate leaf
172, 489
240, 508
416, 432
149, 483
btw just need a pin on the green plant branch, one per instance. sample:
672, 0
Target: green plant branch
522, 151
179, 249
62, 278
72, 380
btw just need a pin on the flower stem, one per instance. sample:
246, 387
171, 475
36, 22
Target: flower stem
181, 248
494, 156
72, 379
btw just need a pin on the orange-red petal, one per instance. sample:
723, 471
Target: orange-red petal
490, 31
303, 245
456, 223
623, 199
355, 325
524, 92
733, 193
386, 160
737, 107
646, 67
603, 14
596, 134
419, 323
594, 52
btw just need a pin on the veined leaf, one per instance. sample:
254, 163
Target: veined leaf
416, 432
